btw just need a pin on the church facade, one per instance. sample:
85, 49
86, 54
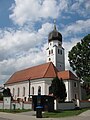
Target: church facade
25, 83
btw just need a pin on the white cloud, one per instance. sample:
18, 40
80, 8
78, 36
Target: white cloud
33, 57
34, 10
16, 42
80, 26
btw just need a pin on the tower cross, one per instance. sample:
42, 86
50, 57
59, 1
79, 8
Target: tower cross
55, 24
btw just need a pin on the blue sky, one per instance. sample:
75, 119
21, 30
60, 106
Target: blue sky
25, 25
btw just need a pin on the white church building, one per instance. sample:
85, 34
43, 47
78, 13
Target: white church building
26, 82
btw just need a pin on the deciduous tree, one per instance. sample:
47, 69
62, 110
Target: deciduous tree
79, 58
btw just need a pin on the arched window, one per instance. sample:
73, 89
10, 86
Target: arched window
49, 52
32, 90
23, 91
18, 92
39, 90
52, 51
13, 91
61, 52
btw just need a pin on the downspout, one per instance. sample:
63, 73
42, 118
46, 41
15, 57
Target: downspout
29, 88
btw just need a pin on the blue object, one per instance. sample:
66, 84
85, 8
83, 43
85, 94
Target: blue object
39, 107
39, 111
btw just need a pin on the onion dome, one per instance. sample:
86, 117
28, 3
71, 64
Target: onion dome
54, 35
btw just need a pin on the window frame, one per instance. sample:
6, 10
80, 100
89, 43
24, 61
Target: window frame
18, 92
24, 91
32, 90
75, 84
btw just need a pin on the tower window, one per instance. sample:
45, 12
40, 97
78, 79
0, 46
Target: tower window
49, 59
52, 51
61, 52
49, 52
75, 84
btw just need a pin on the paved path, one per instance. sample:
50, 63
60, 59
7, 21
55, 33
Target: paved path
27, 116
4, 118
30, 113
86, 113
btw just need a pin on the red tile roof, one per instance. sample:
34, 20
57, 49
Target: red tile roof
65, 75
47, 70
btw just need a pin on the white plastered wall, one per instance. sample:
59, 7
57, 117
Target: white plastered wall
44, 83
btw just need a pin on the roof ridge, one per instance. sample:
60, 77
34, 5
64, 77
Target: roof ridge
47, 69
55, 69
30, 67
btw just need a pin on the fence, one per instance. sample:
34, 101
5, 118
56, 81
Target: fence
60, 106
66, 106
18, 105
85, 104
73, 105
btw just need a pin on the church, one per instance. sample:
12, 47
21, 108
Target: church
25, 83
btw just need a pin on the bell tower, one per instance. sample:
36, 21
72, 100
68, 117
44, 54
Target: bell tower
55, 51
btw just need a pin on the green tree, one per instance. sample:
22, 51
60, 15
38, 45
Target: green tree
79, 59
58, 89
86, 87
7, 93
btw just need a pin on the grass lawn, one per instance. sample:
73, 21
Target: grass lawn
65, 113
55, 114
